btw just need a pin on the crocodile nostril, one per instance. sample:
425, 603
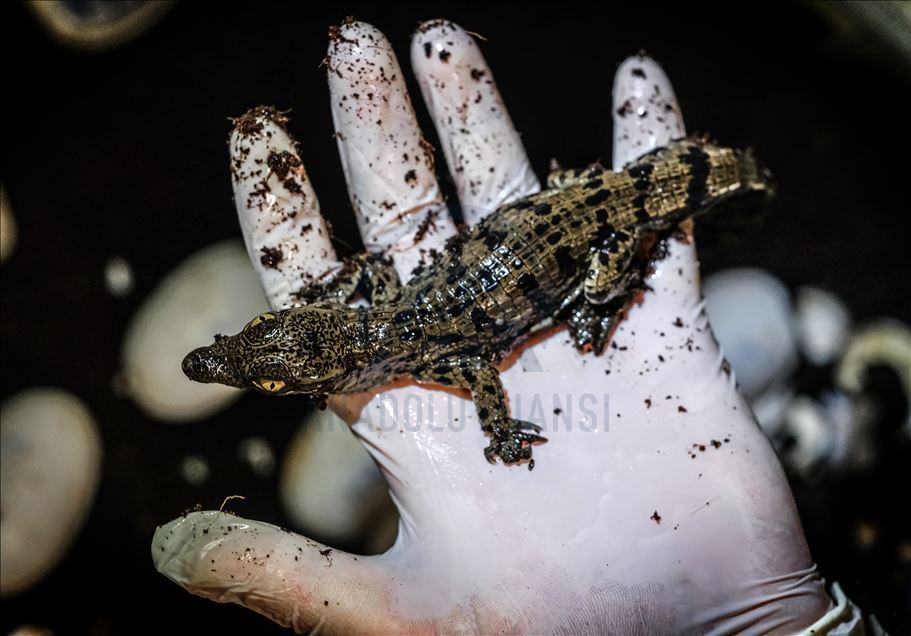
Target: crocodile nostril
196, 365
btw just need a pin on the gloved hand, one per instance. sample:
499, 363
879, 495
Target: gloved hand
656, 506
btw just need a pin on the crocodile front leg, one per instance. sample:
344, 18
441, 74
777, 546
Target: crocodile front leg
370, 274
510, 438
379, 281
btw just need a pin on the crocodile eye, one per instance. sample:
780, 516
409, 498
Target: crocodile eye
260, 319
261, 330
270, 385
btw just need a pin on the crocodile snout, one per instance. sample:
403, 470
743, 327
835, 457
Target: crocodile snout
200, 365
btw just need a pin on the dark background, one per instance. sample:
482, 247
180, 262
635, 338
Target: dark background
122, 153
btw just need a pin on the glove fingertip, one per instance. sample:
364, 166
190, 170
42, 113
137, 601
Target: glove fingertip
646, 113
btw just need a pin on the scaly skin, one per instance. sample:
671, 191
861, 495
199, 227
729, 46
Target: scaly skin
566, 253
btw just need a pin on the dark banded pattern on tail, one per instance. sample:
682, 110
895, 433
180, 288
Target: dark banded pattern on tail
521, 263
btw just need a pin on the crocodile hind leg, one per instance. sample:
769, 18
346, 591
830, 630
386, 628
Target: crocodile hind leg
511, 439
609, 272
560, 178
590, 325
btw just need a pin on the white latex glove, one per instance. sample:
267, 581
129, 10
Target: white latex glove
656, 506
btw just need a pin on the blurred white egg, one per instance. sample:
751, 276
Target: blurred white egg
750, 313
811, 432
31, 630
330, 486
194, 469
822, 324
884, 341
8, 231
51, 464
769, 407
95, 25
214, 291
118, 277
854, 420
257, 453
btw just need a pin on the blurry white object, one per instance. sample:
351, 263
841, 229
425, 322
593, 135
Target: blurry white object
97, 24
884, 342
213, 291
769, 408
51, 454
31, 630
822, 324
329, 483
750, 313
257, 453
854, 422
8, 233
812, 434
118, 277
194, 469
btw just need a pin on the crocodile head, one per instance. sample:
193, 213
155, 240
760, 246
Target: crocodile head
305, 350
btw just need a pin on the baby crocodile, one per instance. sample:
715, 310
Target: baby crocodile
564, 254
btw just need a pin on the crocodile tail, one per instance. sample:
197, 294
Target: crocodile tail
754, 175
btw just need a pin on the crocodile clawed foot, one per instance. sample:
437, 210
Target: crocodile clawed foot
602, 334
511, 443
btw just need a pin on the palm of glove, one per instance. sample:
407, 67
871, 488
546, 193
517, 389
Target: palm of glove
656, 505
